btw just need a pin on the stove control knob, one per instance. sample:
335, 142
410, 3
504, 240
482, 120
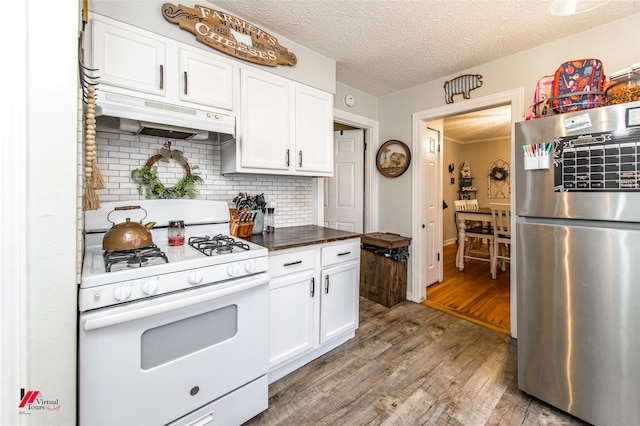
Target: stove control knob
150, 286
250, 267
233, 270
122, 293
195, 277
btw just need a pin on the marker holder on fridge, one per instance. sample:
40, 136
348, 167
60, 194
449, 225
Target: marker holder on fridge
537, 156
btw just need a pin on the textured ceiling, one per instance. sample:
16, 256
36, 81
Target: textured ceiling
486, 125
381, 46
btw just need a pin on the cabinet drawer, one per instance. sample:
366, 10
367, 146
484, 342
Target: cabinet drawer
339, 253
282, 264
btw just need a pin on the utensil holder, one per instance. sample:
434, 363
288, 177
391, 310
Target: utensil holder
237, 228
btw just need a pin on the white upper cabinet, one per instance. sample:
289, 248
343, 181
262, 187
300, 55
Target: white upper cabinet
129, 57
286, 128
205, 79
133, 61
314, 131
265, 111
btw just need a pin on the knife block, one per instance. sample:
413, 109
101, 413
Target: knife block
237, 228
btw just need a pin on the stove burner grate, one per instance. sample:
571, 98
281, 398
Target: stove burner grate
133, 258
220, 244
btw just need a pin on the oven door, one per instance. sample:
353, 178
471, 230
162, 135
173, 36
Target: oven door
154, 361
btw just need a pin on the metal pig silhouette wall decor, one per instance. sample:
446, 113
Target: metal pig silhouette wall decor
461, 86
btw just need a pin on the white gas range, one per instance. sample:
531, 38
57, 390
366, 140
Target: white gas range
186, 325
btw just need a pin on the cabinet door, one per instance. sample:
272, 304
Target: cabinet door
129, 58
265, 121
205, 79
291, 300
314, 131
339, 300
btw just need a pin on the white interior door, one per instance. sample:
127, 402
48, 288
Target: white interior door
429, 182
344, 192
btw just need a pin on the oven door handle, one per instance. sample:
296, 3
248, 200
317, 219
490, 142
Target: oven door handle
119, 318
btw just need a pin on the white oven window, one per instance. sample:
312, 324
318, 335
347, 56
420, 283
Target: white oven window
177, 339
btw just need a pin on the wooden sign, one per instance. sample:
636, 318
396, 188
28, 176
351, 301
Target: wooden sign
229, 34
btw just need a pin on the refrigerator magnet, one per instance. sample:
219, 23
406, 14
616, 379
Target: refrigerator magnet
577, 122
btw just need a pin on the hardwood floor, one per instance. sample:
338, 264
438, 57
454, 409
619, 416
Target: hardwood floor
472, 294
410, 365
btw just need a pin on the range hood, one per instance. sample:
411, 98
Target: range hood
160, 130
153, 118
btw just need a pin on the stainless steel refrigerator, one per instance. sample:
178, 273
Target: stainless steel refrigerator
577, 256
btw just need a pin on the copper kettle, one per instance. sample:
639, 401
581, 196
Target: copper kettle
128, 235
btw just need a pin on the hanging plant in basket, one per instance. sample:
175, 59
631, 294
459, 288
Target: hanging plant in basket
147, 177
499, 174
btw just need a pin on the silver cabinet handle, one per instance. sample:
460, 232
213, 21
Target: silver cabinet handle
287, 158
185, 82
313, 287
161, 76
326, 284
300, 158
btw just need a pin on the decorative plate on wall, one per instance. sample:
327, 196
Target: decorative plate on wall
393, 158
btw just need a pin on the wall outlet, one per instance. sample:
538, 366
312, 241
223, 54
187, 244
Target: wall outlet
452, 181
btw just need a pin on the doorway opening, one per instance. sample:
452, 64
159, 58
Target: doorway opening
480, 139
371, 132
434, 119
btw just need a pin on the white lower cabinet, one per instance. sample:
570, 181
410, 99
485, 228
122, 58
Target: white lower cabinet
339, 300
313, 303
291, 318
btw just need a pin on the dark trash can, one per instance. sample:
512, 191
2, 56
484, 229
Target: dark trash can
383, 267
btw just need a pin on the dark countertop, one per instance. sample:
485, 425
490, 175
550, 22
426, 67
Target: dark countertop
299, 236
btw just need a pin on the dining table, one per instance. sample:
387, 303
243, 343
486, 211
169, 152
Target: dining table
482, 214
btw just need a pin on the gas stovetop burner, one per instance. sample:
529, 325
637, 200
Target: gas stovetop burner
137, 258
137, 261
220, 244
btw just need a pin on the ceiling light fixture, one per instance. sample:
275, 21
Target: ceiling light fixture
573, 7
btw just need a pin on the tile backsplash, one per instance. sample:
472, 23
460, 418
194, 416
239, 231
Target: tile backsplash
119, 154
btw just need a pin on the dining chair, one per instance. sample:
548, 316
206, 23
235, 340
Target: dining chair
460, 205
471, 204
477, 225
474, 247
501, 223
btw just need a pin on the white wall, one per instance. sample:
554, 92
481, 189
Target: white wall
365, 105
452, 154
617, 44
42, 333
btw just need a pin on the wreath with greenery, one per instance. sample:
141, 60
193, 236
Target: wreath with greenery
147, 178
498, 173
